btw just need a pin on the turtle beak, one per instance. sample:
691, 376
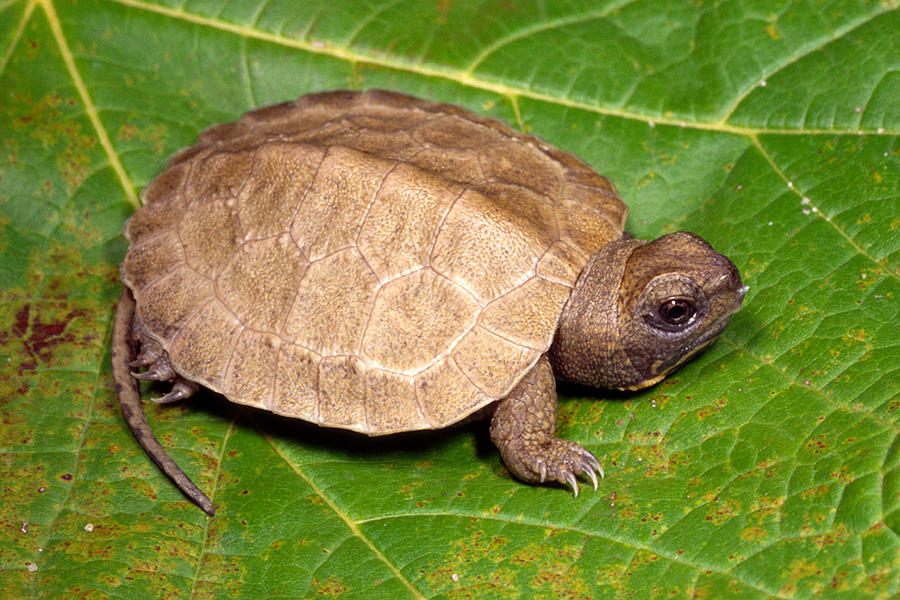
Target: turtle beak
732, 281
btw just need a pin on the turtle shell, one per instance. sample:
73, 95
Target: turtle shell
369, 261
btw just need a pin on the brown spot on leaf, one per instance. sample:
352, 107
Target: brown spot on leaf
557, 569
719, 513
126, 132
753, 534
40, 336
43, 121
837, 536
814, 491
329, 587
798, 569
818, 444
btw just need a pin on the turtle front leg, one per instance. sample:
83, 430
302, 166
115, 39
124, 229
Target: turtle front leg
524, 430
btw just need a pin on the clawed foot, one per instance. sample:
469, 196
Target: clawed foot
159, 368
552, 459
181, 389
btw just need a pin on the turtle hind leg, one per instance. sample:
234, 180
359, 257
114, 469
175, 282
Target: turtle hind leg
159, 368
524, 430
123, 346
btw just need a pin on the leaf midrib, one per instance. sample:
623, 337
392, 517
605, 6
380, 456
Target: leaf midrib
465, 77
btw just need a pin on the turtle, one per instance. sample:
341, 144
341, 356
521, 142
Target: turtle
381, 263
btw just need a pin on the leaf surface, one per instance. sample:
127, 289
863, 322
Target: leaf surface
767, 468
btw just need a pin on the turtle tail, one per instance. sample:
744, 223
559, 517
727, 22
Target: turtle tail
123, 352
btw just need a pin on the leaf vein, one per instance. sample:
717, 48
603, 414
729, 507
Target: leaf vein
805, 50
437, 72
89, 106
351, 525
539, 28
814, 209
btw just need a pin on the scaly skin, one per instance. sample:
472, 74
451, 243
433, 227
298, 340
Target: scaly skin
524, 430
123, 352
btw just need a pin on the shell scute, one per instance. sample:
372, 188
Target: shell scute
326, 221
210, 235
416, 318
488, 245
444, 393
391, 404
162, 204
523, 165
204, 345
404, 219
278, 181
588, 217
332, 304
153, 257
524, 314
169, 301
250, 374
342, 392
296, 387
487, 359
276, 261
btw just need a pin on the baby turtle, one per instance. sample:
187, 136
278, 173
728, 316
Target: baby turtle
376, 262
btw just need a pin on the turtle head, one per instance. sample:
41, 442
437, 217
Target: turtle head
640, 309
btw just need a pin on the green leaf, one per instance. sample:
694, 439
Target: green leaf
768, 467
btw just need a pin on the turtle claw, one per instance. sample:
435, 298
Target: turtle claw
159, 368
142, 360
587, 464
543, 471
148, 376
593, 476
593, 464
590, 466
160, 371
180, 390
147, 357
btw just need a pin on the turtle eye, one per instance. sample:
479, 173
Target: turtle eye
676, 311
673, 305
